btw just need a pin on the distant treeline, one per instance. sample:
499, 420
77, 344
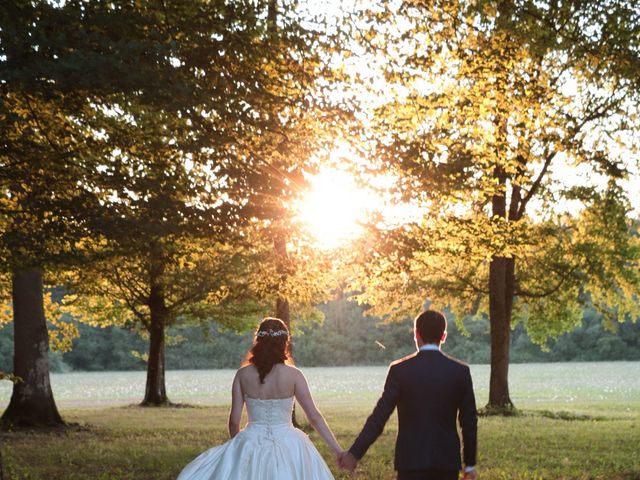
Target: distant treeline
346, 337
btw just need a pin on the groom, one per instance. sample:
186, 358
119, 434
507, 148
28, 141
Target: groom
430, 390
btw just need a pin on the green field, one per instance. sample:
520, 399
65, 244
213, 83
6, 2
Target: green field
579, 421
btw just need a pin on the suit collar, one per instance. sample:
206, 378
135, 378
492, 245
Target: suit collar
429, 353
429, 347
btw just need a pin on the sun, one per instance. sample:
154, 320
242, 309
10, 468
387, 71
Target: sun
334, 207
347, 193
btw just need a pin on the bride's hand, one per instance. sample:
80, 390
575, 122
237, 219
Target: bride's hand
347, 461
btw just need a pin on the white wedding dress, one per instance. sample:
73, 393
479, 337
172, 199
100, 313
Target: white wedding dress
269, 448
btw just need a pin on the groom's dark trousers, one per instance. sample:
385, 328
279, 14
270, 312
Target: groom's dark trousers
428, 475
431, 391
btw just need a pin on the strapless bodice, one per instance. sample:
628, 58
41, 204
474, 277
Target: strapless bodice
269, 412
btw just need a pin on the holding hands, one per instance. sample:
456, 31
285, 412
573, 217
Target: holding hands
347, 461
472, 475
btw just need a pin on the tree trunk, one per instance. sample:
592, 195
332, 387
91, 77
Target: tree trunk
282, 304
500, 305
501, 290
282, 311
272, 16
32, 403
282, 259
340, 309
1, 464
156, 390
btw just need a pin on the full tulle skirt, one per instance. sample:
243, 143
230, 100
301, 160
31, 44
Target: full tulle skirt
261, 452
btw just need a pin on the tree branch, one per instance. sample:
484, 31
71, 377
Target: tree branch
535, 186
551, 291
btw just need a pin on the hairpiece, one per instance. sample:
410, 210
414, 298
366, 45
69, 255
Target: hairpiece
271, 333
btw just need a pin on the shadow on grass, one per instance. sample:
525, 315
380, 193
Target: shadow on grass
58, 430
553, 415
569, 416
512, 411
506, 411
163, 406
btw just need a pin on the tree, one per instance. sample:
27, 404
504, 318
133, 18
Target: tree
490, 99
202, 167
177, 281
65, 70
41, 190
316, 116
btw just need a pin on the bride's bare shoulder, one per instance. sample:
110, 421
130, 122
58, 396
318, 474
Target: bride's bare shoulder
246, 370
293, 371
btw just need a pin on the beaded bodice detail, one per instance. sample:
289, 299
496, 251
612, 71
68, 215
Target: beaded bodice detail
269, 412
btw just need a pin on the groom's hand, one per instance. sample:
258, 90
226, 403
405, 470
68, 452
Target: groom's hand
348, 462
472, 475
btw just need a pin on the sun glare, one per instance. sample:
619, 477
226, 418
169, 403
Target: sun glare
344, 195
334, 207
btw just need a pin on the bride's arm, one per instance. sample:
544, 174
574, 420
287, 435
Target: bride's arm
304, 398
237, 402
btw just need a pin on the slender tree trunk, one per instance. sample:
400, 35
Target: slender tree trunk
272, 16
156, 390
280, 240
32, 403
340, 312
282, 304
282, 311
282, 258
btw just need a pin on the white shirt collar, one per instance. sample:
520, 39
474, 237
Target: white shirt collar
429, 346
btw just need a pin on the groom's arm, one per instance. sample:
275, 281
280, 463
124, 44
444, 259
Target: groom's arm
378, 418
468, 418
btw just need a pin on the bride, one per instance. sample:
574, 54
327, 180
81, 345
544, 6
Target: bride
269, 447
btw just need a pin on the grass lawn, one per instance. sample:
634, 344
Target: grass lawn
595, 437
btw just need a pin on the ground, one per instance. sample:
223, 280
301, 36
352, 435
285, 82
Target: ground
578, 421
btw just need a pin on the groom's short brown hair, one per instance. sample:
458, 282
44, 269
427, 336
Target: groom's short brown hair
431, 325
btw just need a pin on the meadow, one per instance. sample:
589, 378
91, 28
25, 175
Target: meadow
577, 421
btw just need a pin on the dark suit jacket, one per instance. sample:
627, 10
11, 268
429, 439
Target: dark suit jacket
430, 390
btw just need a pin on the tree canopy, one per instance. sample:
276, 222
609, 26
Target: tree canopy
492, 104
137, 141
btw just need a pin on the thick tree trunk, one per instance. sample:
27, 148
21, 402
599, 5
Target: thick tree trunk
156, 390
501, 291
1, 464
32, 403
500, 305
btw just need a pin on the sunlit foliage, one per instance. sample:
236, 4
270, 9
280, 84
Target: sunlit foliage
490, 112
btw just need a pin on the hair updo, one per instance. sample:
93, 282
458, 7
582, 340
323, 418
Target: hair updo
271, 345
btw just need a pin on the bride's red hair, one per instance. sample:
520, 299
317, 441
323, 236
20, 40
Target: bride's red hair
271, 345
